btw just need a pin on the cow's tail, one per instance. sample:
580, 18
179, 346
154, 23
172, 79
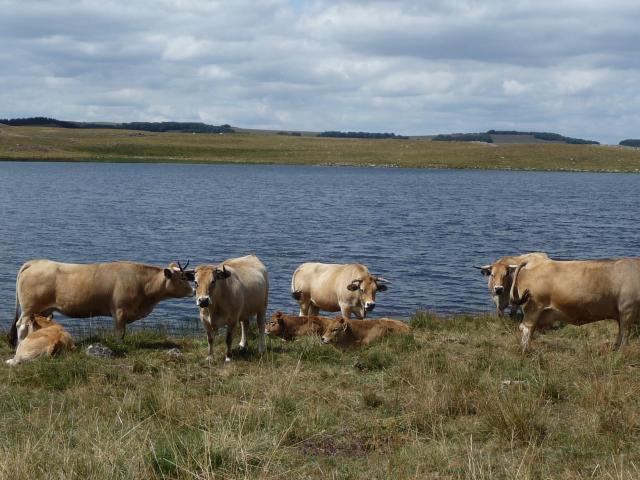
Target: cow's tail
515, 297
296, 294
12, 336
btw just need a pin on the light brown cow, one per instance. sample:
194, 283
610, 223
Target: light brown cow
126, 291
353, 333
288, 327
231, 292
578, 292
45, 337
348, 288
500, 277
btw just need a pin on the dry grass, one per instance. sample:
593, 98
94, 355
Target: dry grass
428, 406
57, 144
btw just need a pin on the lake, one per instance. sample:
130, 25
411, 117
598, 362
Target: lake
422, 229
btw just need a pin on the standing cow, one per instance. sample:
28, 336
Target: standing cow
346, 288
232, 292
500, 277
126, 291
578, 292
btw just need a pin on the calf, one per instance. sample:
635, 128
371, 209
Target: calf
352, 333
45, 337
288, 327
232, 292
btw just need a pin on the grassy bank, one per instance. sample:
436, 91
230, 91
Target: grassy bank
432, 406
57, 144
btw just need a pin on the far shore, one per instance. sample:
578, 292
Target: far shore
49, 144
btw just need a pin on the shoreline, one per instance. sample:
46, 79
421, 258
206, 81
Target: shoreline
47, 144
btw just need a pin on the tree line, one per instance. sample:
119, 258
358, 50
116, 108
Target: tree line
182, 127
336, 134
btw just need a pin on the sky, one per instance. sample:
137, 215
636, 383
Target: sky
407, 66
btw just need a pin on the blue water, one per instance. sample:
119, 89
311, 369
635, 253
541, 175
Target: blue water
422, 229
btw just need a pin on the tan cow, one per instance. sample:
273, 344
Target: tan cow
578, 292
353, 333
126, 291
348, 288
45, 337
500, 276
231, 292
289, 327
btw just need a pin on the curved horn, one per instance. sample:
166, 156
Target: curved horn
381, 279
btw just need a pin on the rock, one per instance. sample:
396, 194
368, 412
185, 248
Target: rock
174, 352
98, 350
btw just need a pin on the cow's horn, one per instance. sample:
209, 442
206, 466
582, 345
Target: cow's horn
382, 280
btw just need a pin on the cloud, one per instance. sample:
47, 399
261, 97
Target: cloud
407, 66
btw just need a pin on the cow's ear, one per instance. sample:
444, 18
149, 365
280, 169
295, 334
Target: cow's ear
353, 286
190, 275
381, 287
222, 274
485, 270
168, 272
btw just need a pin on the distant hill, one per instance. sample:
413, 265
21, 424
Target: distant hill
181, 127
630, 143
512, 136
336, 134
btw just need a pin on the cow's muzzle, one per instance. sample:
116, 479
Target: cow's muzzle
369, 306
203, 302
498, 289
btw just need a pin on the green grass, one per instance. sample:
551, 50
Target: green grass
428, 406
58, 144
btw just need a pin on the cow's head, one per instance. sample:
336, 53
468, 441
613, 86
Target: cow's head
206, 278
366, 289
177, 280
499, 277
335, 330
276, 326
31, 323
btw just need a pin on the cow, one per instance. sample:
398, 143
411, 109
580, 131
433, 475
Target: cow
126, 291
231, 292
348, 288
288, 327
353, 333
578, 292
500, 276
46, 337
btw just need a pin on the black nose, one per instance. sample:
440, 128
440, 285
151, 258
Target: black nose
203, 302
498, 290
370, 307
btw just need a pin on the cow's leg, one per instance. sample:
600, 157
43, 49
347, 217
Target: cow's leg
345, 310
22, 328
624, 328
260, 319
244, 328
211, 335
120, 324
313, 310
230, 328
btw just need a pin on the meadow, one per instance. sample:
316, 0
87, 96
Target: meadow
457, 400
58, 144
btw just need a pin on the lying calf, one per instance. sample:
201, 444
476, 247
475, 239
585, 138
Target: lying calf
289, 327
45, 337
353, 333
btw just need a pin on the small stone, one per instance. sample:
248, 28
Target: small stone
98, 350
174, 352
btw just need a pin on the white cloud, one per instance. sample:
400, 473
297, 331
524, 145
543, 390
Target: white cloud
407, 66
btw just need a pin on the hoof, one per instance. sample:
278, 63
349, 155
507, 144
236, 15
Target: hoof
227, 359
